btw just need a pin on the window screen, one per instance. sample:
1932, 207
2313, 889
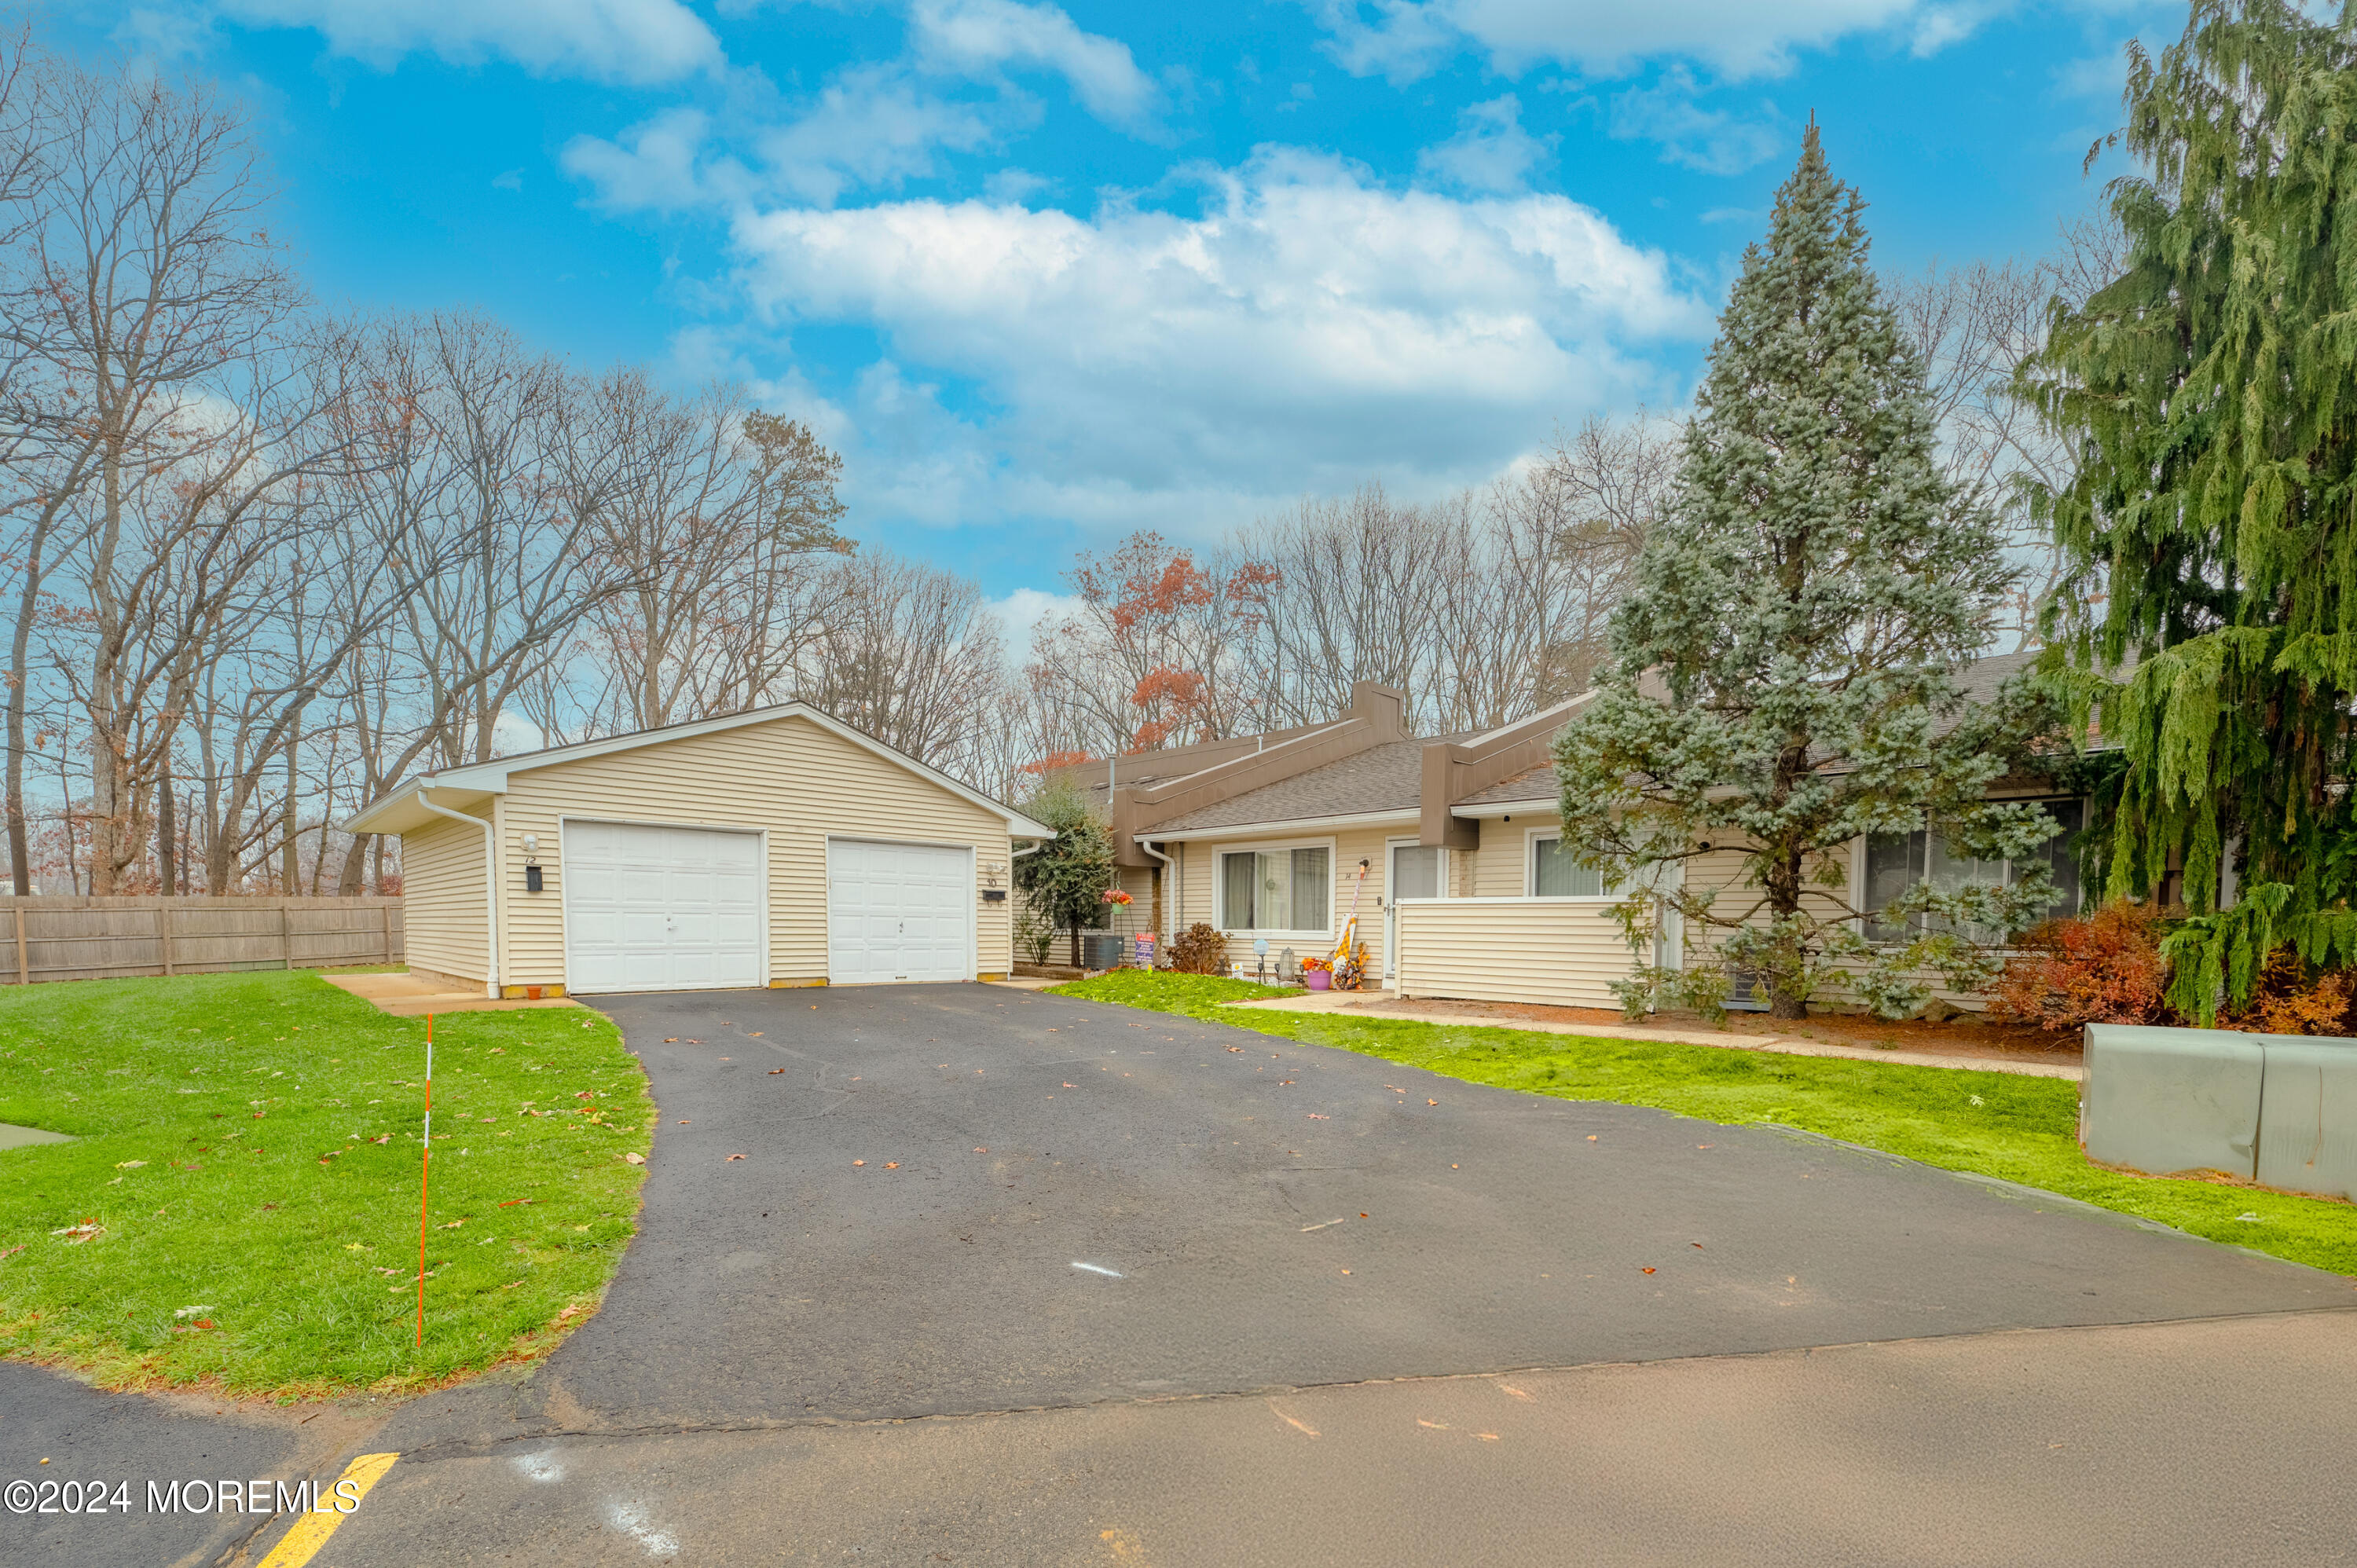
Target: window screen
1896, 861
1274, 890
1554, 874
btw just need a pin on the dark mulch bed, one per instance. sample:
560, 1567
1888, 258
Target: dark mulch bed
1969, 1035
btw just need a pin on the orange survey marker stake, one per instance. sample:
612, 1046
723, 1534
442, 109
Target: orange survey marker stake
425, 1172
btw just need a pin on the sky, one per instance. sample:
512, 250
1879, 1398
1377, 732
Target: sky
1045, 274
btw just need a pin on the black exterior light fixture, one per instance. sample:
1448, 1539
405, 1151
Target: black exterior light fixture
532, 883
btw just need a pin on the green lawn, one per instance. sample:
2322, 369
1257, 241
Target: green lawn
248, 1146
2001, 1125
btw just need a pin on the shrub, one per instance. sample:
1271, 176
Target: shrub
2288, 998
2104, 969
1200, 950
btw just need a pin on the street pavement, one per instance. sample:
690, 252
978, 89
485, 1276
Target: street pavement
1011, 1278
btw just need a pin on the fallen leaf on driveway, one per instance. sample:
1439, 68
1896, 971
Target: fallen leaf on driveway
671, 1039
1591, 1137
1434, 1424
1649, 1270
980, 1150
891, 1165
1432, 1102
732, 1157
1237, 1049
1071, 1086
776, 1071
1315, 1117
859, 1162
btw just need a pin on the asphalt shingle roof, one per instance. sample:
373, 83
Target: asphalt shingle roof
1386, 778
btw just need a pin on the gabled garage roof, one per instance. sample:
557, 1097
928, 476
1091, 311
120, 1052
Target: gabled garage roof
400, 809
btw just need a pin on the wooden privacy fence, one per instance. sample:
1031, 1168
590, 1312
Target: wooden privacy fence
64, 936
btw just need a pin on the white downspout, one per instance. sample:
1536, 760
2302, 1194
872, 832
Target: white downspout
491, 886
1171, 888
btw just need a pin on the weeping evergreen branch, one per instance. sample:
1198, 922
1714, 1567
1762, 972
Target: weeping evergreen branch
2211, 392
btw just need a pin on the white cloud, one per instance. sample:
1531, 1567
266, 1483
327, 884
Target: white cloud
1143, 369
872, 126
612, 40
653, 168
1490, 151
1406, 39
1710, 140
1022, 610
978, 36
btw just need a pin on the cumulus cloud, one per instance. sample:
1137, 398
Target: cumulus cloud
653, 167
1404, 38
636, 41
981, 36
872, 126
1710, 140
1307, 329
1490, 151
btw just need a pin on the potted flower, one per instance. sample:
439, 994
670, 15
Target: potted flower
1317, 974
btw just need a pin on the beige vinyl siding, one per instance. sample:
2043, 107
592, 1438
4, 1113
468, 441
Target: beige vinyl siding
442, 899
798, 782
1497, 866
1555, 952
1200, 871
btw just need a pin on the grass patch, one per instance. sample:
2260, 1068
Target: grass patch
248, 1146
1994, 1124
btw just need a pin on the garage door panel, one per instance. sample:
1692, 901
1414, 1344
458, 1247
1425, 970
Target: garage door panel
660, 908
897, 912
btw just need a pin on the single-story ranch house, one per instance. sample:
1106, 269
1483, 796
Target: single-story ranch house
1448, 845
775, 847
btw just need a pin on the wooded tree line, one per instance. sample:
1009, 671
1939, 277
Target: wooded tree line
266, 558
1492, 602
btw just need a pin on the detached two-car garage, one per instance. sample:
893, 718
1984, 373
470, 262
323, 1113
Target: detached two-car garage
778, 847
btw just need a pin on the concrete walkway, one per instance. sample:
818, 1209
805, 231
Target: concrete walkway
1358, 1003
408, 996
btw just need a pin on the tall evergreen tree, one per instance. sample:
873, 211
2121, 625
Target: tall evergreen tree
1782, 679
2212, 391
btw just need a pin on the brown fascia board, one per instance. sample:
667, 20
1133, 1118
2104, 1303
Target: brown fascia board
1456, 769
1377, 717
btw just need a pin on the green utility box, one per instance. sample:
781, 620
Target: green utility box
2307, 1115
2164, 1100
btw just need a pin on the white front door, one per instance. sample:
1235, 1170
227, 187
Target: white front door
898, 912
654, 909
1415, 873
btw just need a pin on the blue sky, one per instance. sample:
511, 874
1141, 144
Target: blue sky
1046, 273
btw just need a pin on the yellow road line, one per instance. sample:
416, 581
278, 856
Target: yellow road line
302, 1543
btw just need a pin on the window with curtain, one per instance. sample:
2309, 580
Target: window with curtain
1274, 889
1896, 861
1554, 874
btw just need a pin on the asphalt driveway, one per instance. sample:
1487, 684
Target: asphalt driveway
968, 1198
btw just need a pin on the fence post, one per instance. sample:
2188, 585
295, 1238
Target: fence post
24, 964
386, 910
164, 934
286, 935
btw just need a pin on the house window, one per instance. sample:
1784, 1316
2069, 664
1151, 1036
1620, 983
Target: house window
1274, 889
1896, 861
1554, 874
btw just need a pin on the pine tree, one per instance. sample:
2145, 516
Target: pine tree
2212, 391
1780, 678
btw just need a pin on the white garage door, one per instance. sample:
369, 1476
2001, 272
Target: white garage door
661, 909
896, 911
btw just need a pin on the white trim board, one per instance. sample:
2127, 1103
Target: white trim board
1254, 832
